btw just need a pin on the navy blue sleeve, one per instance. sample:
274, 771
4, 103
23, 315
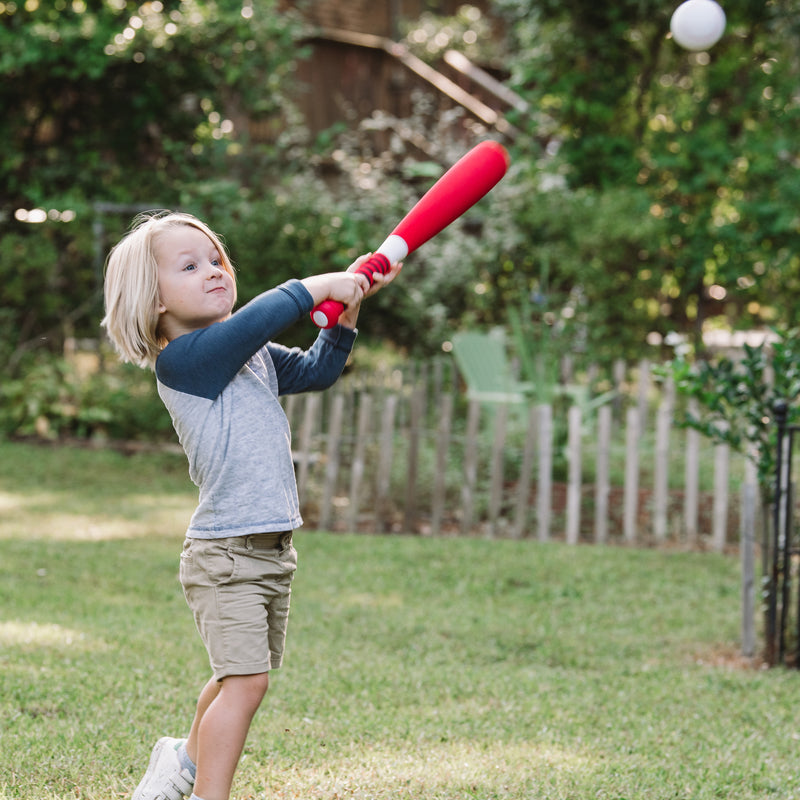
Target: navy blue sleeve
316, 368
204, 361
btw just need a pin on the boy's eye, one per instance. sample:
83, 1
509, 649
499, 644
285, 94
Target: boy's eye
190, 267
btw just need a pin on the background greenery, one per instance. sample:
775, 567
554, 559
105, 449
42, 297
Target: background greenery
419, 668
644, 175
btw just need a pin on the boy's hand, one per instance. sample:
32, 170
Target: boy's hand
350, 314
344, 287
349, 288
379, 280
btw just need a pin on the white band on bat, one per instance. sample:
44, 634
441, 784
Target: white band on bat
394, 248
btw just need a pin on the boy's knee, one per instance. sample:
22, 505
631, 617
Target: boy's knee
260, 683
250, 688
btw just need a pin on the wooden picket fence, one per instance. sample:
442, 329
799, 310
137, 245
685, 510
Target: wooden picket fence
406, 452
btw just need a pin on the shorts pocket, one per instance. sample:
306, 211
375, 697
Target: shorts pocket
206, 562
220, 564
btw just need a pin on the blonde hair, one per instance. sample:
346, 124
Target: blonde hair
131, 285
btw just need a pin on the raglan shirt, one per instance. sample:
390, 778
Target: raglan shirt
221, 386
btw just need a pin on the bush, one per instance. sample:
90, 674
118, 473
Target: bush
59, 397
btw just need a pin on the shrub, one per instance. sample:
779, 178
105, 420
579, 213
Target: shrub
58, 397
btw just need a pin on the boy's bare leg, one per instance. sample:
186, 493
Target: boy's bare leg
207, 696
224, 713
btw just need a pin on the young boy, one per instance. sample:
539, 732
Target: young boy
170, 291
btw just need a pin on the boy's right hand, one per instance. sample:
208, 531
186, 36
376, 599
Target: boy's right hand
347, 288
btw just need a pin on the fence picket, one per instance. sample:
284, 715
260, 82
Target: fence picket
385, 457
544, 495
357, 467
332, 460
445, 405
691, 503
661, 471
720, 514
631, 511
414, 433
496, 469
748, 559
304, 456
469, 485
602, 474
524, 484
573, 525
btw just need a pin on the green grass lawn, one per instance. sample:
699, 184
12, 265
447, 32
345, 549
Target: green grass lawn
435, 669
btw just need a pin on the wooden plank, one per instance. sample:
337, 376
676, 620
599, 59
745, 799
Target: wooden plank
747, 547
544, 494
602, 487
388, 412
661, 471
631, 489
525, 474
460, 62
332, 461
618, 380
720, 509
412, 473
470, 467
643, 391
496, 472
357, 467
691, 497
574, 479
445, 408
290, 403
303, 455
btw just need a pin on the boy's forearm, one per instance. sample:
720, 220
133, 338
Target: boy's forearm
318, 286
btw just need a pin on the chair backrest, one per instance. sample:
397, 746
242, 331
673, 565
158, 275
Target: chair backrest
483, 363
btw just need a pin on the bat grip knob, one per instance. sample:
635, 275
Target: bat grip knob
326, 314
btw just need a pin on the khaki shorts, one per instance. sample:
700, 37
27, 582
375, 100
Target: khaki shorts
238, 589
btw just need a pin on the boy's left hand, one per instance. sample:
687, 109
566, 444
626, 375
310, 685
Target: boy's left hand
350, 314
379, 280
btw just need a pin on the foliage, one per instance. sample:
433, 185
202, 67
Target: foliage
561, 263
737, 398
50, 283
468, 31
128, 103
56, 398
705, 138
656, 189
106, 87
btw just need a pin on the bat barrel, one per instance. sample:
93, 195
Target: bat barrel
466, 182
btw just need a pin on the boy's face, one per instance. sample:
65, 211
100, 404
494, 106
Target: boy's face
194, 288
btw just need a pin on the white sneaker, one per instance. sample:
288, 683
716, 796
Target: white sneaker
165, 779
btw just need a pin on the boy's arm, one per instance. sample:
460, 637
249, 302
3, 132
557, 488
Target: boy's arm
316, 368
205, 361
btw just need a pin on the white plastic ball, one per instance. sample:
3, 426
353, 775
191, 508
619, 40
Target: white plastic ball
697, 24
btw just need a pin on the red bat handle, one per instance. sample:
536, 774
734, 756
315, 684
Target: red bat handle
327, 313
